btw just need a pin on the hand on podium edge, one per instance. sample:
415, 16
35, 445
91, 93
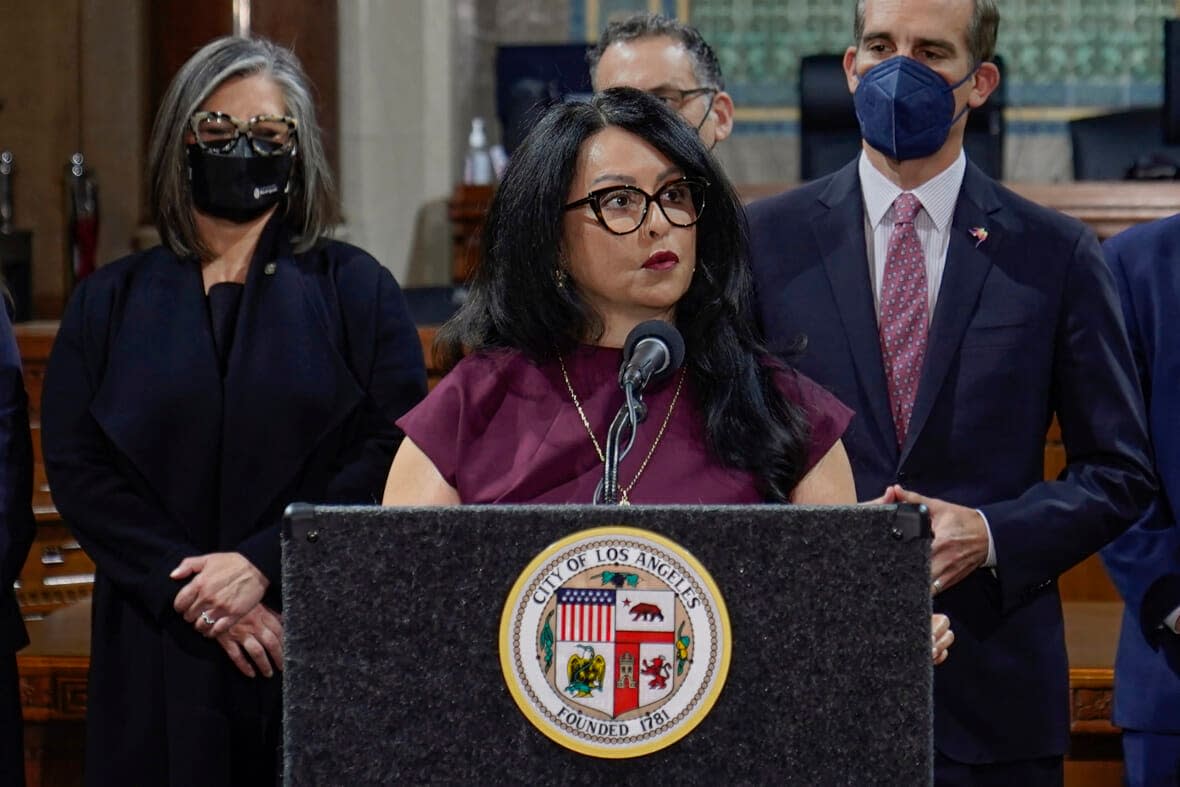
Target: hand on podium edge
941, 635
960, 537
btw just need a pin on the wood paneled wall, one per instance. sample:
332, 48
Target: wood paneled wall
40, 122
310, 29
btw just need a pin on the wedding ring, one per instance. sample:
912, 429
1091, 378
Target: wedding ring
936, 585
207, 619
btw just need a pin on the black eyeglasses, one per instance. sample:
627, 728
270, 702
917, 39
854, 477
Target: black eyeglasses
623, 209
269, 135
676, 98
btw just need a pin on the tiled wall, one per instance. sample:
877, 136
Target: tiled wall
1064, 58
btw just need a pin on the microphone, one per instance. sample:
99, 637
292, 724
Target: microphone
654, 349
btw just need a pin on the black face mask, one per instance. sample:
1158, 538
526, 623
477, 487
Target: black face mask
240, 185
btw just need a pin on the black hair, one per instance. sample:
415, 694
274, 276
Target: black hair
647, 25
515, 301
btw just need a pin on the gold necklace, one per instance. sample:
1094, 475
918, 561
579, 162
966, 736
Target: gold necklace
625, 491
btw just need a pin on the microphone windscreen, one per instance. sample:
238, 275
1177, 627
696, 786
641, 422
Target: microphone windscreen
663, 331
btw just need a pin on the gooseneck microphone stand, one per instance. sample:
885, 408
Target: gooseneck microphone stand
630, 415
653, 349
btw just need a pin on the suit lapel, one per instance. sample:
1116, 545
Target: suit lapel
160, 399
840, 237
286, 387
968, 261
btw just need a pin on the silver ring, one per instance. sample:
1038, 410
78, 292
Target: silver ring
936, 585
206, 619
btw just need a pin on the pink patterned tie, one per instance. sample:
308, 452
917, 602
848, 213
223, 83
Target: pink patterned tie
903, 312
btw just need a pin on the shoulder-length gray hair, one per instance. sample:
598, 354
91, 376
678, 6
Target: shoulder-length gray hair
311, 204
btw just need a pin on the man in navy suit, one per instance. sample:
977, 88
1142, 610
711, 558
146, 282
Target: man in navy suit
1145, 561
957, 319
16, 534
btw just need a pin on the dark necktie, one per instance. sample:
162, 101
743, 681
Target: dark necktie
904, 296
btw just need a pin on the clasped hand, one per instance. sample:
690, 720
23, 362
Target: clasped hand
223, 601
224, 587
257, 637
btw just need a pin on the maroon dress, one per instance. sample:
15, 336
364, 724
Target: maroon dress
501, 429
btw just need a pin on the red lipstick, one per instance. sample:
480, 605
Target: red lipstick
661, 261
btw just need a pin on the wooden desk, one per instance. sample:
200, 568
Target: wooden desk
53, 695
53, 666
35, 340
1091, 635
466, 209
57, 573
1107, 207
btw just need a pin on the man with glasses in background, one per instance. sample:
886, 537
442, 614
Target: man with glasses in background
671, 61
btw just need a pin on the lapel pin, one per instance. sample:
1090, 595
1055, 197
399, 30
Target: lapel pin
979, 233
271, 267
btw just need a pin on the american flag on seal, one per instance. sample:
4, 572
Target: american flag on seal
585, 615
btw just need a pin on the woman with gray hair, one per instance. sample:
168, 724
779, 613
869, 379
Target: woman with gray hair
196, 389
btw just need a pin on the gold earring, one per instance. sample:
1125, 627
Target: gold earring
560, 277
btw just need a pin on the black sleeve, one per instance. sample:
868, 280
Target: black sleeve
131, 537
385, 355
17, 526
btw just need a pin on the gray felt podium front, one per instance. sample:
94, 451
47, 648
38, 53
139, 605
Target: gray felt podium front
392, 645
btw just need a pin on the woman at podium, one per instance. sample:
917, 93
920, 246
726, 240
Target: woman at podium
611, 213
197, 388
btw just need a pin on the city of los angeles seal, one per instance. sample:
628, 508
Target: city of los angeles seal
615, 642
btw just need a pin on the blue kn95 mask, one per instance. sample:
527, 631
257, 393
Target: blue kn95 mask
906, 109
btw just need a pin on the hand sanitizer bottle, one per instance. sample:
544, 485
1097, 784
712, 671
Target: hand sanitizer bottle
477, 170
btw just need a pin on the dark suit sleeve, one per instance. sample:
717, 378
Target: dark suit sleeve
17, 526
1144, 562
131, 538
1108, 481
385, 355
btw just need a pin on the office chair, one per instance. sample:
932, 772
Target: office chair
829, 136
1122, 145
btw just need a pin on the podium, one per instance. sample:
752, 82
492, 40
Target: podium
397, 669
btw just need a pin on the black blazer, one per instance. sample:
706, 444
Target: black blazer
1027, 325
17, 526
153, 456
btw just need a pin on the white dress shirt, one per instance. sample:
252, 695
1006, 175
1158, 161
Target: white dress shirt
933, 223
